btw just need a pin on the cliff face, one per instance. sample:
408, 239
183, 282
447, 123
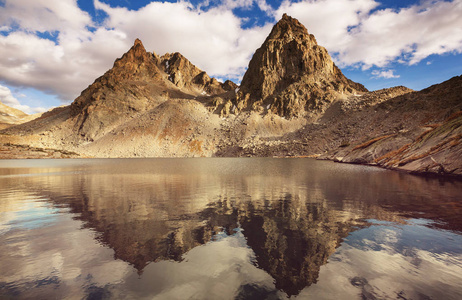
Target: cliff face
290, 74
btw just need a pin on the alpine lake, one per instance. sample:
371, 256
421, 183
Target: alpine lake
226, 228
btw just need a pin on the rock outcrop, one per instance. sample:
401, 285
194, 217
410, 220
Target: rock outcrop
138, 82
290, 74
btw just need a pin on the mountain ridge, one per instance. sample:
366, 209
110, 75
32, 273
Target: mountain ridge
293, 101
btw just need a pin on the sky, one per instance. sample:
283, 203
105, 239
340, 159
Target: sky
51, 50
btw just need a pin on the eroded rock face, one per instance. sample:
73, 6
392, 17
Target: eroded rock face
290, 74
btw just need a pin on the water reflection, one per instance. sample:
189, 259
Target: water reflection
265, 227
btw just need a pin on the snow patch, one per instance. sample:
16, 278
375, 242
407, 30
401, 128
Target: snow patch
236, 90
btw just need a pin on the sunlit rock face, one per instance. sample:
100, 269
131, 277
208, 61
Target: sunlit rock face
138, 82
10, 116
290, 74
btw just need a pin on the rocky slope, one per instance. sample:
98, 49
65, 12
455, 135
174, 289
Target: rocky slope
417, 131
293, 101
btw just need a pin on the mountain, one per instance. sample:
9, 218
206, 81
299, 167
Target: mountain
138, 82
290, 74
293, 101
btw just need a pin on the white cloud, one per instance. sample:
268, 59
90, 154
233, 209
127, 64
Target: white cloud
384, 74
232, 4
64, 67
350, 29
329, 21
7, 98
264, 6
44, 15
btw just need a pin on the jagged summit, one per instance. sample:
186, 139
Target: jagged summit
287, 28
291, 74
137, 53
138, 81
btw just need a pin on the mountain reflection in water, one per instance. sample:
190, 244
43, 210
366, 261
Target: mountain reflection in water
287, 217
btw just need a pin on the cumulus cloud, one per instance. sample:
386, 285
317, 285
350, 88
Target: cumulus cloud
44, 15
264, 6
63, 67
7, 98
388, 74
232, 4
361, 36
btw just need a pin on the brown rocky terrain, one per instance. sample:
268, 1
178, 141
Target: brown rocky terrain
292, 101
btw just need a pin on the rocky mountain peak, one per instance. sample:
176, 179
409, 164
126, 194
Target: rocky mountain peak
290, 74
138, 82
289, 28
137, 55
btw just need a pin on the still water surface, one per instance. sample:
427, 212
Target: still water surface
216, 228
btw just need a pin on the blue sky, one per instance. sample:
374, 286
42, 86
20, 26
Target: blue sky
50, 50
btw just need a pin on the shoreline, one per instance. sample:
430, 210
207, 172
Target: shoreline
10, 151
